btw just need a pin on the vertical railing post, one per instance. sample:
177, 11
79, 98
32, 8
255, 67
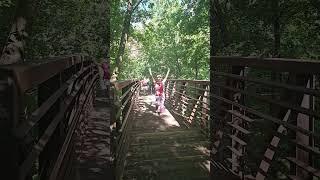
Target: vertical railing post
9, 117
167, 90
117, 107
237, 97
195, 105
126, 107
113, 127
183, 100
174, 90
47, 156
178, 100
304, 122
205, 102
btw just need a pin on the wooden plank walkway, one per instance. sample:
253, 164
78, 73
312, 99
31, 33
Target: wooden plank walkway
94, 159
163, 148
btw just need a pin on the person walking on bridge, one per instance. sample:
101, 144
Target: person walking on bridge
105, 74
159, 88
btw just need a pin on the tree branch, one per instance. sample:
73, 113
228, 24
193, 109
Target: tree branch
137, 4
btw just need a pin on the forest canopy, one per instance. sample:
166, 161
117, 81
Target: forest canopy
60, 27
162, 34
276, 28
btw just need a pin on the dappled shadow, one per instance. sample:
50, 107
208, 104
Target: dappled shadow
163, 148
93, 144
151, 120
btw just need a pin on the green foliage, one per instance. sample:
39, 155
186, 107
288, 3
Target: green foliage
69, 26
62, 27
117, 17
249, 28
253, 28
168, 34
5, 3
6, 16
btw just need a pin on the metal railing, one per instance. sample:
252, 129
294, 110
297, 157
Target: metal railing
190, 100
125, 94
42, 105
265, 117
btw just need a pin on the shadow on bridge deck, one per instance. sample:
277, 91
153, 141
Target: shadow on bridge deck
162, 147
94, 159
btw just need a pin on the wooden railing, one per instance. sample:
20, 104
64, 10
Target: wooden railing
124, 95
190, 100
265, 118
42, 105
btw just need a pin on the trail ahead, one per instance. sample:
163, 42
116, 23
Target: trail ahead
163, 148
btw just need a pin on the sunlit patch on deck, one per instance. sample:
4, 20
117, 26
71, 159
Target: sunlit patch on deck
163, 147
203, 150
166, 119
169, 119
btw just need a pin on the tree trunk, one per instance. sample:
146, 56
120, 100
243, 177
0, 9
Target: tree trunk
196, 68
13, 50
107, 13
124, 34
276, 28
276, 48
218, 17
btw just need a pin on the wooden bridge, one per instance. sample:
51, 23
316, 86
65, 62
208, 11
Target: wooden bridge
256, 119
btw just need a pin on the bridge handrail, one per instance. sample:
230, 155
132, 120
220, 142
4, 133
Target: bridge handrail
274, 64
189, 99
293, 86
190, 80
124, 95
27, 74
60, 83
122, 84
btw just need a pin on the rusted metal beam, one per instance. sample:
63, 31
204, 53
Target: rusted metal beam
25, 127
274, 64
121, 84
30, 74
191, 81
54, 77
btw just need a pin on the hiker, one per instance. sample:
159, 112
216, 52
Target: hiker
144, 85
106, 74
159, 91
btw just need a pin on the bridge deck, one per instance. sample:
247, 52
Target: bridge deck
163, 148
94, 158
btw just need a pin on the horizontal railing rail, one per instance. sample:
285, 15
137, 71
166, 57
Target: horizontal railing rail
42, 104
265, 117
124, 95
189, 99
274, 64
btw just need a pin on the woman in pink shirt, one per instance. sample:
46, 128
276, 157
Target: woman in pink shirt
106, 74
159, 88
